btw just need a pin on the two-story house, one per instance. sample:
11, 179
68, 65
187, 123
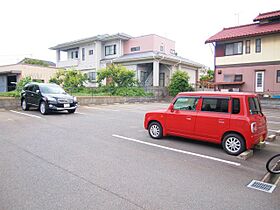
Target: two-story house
152, 57
247, 57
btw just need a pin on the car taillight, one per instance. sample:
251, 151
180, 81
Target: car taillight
253, 127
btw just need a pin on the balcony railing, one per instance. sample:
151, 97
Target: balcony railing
68, 63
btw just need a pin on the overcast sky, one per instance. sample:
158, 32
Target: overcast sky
30, 27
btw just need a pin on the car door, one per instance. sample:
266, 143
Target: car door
28, 94
213, 119
36, 95
181, 120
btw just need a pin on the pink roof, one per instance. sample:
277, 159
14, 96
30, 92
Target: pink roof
267, 15
245, 31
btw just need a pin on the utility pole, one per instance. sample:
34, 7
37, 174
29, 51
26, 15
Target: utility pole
237, 17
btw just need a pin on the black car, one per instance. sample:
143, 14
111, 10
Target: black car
47, 97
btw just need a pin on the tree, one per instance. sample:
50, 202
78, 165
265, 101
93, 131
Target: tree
179, 83
206, 80
118, 75
22, 83
69, 79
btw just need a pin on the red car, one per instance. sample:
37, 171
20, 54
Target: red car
234, 120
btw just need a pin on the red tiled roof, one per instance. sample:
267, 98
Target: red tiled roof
245, 31
267, 15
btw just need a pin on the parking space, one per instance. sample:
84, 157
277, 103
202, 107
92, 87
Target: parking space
108, 153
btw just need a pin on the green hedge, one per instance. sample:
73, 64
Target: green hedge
10, 94
110, 91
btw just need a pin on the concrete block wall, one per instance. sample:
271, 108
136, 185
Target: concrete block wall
9, 103
13, 103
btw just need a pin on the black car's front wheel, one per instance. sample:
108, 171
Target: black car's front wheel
24, 105
71, 111
43, 108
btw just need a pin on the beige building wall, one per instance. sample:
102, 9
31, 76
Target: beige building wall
37, 72
270, 52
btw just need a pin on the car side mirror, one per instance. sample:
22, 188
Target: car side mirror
171, 107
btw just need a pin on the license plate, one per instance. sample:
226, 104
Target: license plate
66, 105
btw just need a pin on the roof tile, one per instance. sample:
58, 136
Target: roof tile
245, 31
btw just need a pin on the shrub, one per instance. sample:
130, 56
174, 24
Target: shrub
22, 83
10, 94
69, 79
133, 91
118, 75
179, 83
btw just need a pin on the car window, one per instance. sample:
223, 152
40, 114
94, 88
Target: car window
51, 89
185, 103
235, 106
215, 105
254, 105
36, 87
30, 87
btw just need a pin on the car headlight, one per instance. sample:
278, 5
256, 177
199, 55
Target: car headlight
75, 99
50, 99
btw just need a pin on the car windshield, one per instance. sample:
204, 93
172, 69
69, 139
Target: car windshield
51, 89
254, 106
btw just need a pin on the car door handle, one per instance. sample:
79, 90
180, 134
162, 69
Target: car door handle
188, 118
221, 121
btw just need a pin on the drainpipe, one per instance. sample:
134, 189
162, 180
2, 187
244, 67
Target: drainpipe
214, 63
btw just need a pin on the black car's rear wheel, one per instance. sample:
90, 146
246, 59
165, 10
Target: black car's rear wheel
43, 108
24, 105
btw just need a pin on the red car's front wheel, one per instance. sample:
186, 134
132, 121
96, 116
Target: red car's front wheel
155, 130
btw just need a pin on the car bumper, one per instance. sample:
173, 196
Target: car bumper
55, 107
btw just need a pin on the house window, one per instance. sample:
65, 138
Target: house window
278, 76
238, 78
235, 48
143, 77
90, 52
83, 54
72, 55
133, 49
247, 47
161, 48
161, 79
92, 76
76, 54
110, 50
258, 45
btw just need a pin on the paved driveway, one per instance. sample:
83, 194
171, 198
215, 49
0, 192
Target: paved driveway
102, 158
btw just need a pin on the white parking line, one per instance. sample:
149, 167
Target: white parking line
29, 115
80, 113
177, 150
273, 122
102, 109
270, 116
272, 130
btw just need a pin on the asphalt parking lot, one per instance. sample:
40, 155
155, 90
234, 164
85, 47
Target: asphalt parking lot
101, 157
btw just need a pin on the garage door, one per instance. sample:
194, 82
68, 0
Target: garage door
3, 83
